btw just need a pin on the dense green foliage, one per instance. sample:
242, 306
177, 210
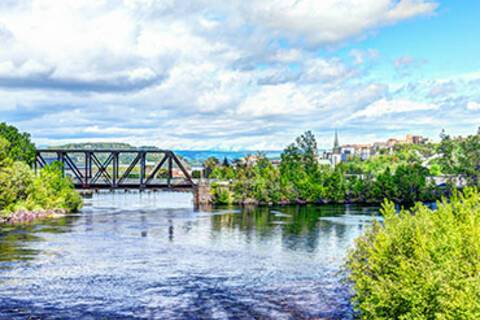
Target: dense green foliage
461, 156
20, 188
299, 178
420, 264
19, 148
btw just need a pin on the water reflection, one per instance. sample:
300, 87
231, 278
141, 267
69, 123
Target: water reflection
15, 241
152, 256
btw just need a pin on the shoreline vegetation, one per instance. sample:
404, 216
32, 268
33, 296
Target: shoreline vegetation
420, 263
24, 195
405, 175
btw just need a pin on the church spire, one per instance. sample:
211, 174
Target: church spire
336, 145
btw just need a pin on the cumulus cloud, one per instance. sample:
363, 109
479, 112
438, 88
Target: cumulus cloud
189, 74
382, 107
331, 21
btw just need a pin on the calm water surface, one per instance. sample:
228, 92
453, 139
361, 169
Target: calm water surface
151, 256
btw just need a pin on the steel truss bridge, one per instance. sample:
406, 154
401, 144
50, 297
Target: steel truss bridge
119, 169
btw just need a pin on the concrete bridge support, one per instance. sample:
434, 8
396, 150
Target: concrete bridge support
201, 194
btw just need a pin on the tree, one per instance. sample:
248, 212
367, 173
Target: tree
225, 162
385, 186
411, 183
307, 145
16, 180
420, 263
447, 150
4, 148
469, 158
20, 148
210, 164
299, 170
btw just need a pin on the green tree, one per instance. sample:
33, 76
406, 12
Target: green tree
16, 180
20, 147
420, 264
411, 183
210, 164
299, 171
386, 186
469, 158
307, 145
448, 150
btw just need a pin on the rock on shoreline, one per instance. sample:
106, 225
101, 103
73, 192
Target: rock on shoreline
25, 216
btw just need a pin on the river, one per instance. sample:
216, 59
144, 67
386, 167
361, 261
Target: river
152, 256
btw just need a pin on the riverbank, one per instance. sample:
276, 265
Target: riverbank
27, 216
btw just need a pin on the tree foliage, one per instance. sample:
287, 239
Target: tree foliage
20, 188
403, 175
20, 147
460, 156
420, 264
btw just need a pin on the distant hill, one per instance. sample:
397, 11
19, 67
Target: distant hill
94, 145
101, 145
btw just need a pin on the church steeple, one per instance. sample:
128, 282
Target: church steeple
336, 144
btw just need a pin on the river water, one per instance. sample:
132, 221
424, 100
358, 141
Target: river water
152, 256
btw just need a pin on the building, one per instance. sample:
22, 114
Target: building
348, 152
411, 139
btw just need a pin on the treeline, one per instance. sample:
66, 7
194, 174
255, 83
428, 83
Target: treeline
20, 188
403, 176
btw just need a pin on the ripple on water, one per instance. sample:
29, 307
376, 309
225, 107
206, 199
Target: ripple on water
152, 256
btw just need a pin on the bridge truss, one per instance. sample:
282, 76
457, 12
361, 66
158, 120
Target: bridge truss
119, 169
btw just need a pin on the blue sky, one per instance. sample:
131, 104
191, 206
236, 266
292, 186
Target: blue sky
239, 74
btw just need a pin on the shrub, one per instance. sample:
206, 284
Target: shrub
420, 263
53, 191
21, 189
221, 194
16, 180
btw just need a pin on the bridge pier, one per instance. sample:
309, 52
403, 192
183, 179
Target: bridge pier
201, 194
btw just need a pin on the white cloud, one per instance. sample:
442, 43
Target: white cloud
331, 21
276, 100
325, 70
384, 106
473, 106
200, 74
410, 8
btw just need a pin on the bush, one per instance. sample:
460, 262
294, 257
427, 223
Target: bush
21, 189
16, 180
53, 191
420, 264
221, 194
